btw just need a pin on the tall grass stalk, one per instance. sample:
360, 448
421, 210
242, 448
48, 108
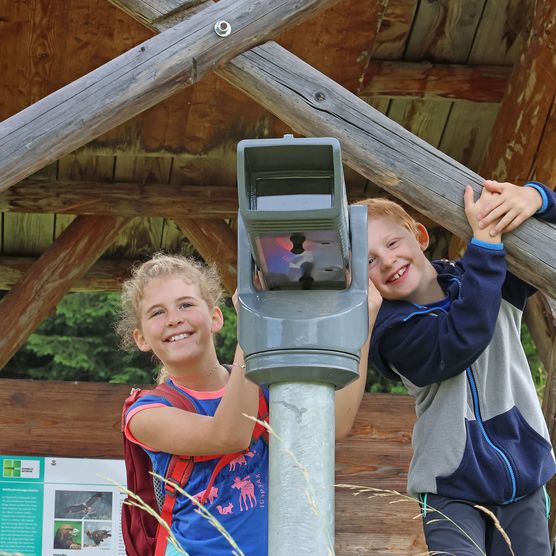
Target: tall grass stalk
377, 492
136, 501
200, 509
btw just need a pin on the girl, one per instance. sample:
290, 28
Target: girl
170, 307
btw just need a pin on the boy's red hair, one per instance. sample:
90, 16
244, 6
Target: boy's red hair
378, 206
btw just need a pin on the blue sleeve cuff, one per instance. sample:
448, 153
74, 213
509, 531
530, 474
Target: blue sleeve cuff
487, 245
538, 186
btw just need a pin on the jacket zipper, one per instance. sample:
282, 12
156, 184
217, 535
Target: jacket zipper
478, 417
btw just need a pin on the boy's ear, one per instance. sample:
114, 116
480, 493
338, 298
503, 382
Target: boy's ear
217, 320
140, 340
422, 236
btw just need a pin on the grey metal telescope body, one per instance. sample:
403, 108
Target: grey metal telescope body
303, 329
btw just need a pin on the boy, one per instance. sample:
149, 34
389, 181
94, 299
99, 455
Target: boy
450, 332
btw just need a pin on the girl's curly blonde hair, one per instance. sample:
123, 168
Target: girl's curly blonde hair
205, 277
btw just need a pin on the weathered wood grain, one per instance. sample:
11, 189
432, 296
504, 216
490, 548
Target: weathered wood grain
216, 243
385, 153
426, 80
104, 275
150, 11
120, 198
515, 141
137, 80
40, 289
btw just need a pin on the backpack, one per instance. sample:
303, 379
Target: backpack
142, 533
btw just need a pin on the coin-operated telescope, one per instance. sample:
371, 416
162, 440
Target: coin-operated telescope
307, 318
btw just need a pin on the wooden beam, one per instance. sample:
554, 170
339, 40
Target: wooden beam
382, 151
124, 199
425, 80
103, 276
82, 420
148, 12
138, 79
40, 289
216, 243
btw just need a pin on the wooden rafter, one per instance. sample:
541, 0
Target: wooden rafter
430, 81
104, 275
124, 199
382, 151
45, 283
216, 243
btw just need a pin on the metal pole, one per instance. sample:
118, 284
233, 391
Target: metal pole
302, 465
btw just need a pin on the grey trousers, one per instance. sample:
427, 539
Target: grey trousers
458, 527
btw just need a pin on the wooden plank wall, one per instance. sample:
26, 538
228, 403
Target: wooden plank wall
72, 419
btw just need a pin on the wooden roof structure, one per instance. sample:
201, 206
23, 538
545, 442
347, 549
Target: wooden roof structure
121, 120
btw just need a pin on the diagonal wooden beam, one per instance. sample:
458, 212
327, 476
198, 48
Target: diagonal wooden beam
528, 109
216, 243
103, 276
381, 150
147, 12
110, 95
40, 289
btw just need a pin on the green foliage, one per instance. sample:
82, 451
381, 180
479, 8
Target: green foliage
537, 368
226, 339
79, 343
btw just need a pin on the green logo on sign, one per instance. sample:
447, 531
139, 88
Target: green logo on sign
12, 468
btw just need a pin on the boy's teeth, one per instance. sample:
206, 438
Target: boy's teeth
398, 274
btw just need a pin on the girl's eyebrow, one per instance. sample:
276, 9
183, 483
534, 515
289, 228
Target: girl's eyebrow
178, 300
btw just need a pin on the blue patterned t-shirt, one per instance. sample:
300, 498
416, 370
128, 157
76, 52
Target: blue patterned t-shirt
238, 498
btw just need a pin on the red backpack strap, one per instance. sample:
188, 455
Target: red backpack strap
179, 471
179, 468
262, 415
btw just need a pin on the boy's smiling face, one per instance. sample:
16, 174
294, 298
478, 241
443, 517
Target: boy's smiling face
397, 264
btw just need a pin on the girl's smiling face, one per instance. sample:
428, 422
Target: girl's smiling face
177, 325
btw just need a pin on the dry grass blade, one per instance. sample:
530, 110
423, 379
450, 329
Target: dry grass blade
497, 525
138, 502
309, 492
200, 509
375, 492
